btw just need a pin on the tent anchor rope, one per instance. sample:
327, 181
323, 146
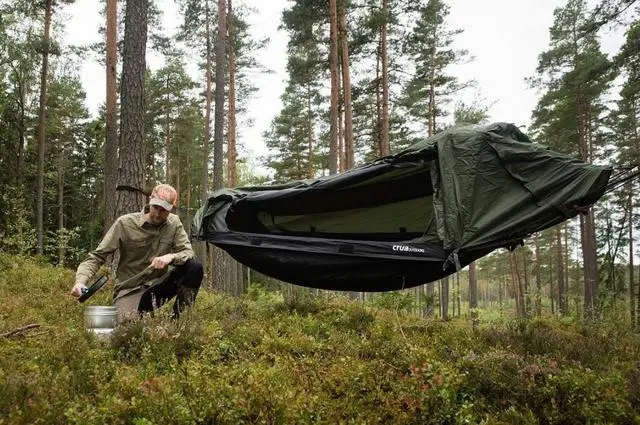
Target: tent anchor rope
622, 175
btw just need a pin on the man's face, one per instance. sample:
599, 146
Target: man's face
157, 215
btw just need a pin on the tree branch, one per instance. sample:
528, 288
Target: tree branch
19, 330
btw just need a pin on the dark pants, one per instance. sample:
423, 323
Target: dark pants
183, 283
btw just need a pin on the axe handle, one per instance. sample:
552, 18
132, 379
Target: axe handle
132, 189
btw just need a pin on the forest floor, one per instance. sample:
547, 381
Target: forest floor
275, 359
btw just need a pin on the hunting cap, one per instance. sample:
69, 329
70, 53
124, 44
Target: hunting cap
164, 196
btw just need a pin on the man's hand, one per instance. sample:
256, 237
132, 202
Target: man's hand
77, 289
162, 262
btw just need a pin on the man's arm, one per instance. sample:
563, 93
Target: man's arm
96, 258
181, 250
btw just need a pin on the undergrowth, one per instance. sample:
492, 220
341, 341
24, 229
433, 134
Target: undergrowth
267, 358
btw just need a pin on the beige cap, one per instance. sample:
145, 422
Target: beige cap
164, 196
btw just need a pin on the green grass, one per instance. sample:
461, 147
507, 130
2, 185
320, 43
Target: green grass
263, 358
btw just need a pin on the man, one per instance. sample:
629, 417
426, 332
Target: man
149, 241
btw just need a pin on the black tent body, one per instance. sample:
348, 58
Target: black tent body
405, 219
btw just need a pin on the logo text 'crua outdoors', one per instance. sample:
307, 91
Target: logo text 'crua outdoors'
405, 248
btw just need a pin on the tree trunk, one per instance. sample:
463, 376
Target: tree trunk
204, 184
207, 109
453, 304
562, 291
473, 294
431, 90
246, 277
333, 64
377, 121
500, 290
131, 161
341, 154
384, 136
565, 260
431, 112
459, 297
61, 241
111, 118
538, 298
179, 166
430, 290
242, 288
22, 126
444, 297
551, 287
187, 201
632, 296
587, 221
591, 265
310, 171
232, 154
526, 291
346, 86
218, 123
217, 261
517, 284
46, 44
586, 280
167, 140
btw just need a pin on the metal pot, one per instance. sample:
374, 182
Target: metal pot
100, 319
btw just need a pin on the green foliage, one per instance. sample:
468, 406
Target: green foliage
396, 300
572, 73
158, 340
17, 235
301, 301
430, 47
471, 114
173, 127
562, 373
65, 241
265, 358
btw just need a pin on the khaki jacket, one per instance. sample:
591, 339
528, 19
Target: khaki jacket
138, 242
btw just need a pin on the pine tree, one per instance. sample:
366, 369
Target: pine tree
287, 138
430, 47
380, 125
307, 64
625, 122
65, 113
131, 160
574, 74
170, 90
218, 123
609, 12
19, 61
199, 19
243, 64
46, 43
111, 114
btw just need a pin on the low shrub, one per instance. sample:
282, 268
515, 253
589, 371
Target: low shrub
267, 358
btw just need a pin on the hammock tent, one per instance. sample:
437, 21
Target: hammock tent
405, 219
